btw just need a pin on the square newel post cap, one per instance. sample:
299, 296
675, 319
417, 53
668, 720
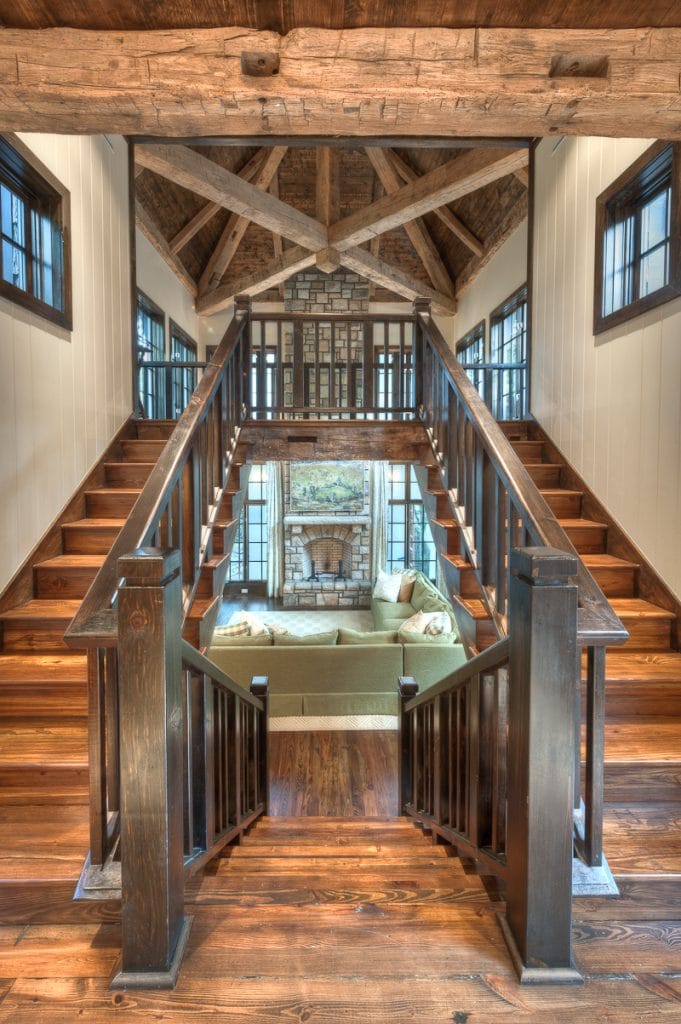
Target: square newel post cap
543, 566
149, 567
421, 306
242, 303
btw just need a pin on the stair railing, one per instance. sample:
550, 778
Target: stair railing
488, 756
193, 773
175, 511
498, 508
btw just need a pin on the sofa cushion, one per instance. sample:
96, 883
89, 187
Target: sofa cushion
282, 705
236, 629
351, 703
387, 611
387, 587
354, 636
345, 668
428, 663
261, 640
307, 640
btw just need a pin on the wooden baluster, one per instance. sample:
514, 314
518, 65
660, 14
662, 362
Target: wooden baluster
408, 688
543, 650
259, 688
97, 732
500, 762
595, 746
368, 367
154, 929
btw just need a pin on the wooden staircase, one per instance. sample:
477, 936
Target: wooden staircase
43, 683
642, 825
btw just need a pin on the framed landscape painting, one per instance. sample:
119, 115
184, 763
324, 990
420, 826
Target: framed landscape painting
327, 487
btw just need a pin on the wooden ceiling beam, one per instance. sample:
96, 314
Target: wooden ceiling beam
200, 219
523, 177
192, 171
275, 273
344, 83
327, 185
466, 173
152, 232
443, 213
359, 261
236, 226
417, 232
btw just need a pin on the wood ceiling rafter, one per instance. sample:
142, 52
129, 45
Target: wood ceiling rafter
443, 213
359, 83
417, 232
237, 224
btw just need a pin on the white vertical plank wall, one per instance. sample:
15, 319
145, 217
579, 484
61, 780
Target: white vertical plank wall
611, 403
63, 394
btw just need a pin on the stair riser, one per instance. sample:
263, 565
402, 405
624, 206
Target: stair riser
588, 540
615, 582
462, 581
127, 474
154, 429
633, 700
49, 786
223, 538
109, 505
446, 538
62, 700
564, 506
142, 451
647, 634
545, 476
639, 782
34, 636
54, 583
82, 540
529, 451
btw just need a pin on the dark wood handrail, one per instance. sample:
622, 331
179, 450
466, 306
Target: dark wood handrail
190, 656
94, 625
598, 624
483, 662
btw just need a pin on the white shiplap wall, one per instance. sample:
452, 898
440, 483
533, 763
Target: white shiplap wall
64, 394
611, 403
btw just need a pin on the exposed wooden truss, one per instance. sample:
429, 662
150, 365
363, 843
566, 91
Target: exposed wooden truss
328, 244
364, 82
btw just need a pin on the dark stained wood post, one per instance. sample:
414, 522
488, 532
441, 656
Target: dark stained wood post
541, 708
154, 928
407, 688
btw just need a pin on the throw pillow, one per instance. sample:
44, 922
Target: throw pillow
387, 587
308, 640
415, 623
261, 640
257, 625
439, 623
235, 629
424, 638
276, 630
355, 636
407, 580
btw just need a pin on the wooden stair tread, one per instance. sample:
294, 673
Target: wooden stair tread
75, 561
559, 492
63, 745
201, 605
643, 839
458, 560
39, 608
636, 607
94, 523
604, 560
43, 668
115, 492
584, 524
476, 609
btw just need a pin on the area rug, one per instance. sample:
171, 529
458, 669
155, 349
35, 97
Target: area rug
304, 621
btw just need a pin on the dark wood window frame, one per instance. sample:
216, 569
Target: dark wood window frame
42, 193
628, 193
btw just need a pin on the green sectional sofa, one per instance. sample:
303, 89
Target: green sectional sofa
346, 673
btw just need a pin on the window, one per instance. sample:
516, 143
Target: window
34, 254
470, 351
410, 542
183, 378
249, 553
508, 349
151, 348
637, 239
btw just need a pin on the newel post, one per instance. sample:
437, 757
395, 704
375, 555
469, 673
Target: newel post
154, 928
541, 709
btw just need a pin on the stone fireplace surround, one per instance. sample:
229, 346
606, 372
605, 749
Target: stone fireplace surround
336, 536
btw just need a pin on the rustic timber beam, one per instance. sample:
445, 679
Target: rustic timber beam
523, 177
472, 170
284, 440
360, 82
236, 226
154, 235
327, 185
449, 219
279, 270
186, 233
417, 232
360, 261
192, 171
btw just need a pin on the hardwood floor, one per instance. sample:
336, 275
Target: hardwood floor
345, 774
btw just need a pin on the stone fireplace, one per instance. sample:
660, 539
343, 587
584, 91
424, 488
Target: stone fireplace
327, 541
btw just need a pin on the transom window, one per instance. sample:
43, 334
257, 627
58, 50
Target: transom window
34, 257
637, 239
